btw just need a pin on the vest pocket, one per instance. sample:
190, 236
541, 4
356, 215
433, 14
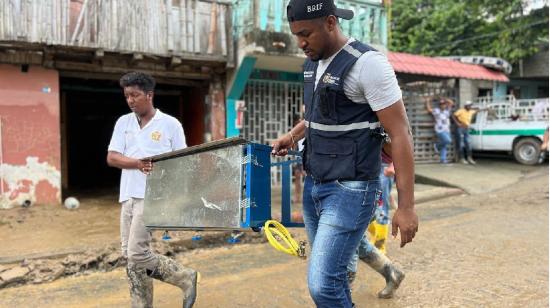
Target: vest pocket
327, 105
333, 160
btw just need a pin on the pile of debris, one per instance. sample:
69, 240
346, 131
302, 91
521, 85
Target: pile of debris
48, 269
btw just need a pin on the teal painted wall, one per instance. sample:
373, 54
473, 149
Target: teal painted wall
276, 76
499, 90
235, 93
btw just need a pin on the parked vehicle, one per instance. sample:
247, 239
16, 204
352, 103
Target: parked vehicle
510, 125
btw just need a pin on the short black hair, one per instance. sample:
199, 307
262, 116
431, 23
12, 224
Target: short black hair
143, 81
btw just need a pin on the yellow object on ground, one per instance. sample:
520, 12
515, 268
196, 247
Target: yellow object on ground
272, 229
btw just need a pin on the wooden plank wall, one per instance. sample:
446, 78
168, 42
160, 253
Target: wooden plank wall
160, 27
422, 123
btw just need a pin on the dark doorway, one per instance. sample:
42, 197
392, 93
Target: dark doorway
89, 111
484, 92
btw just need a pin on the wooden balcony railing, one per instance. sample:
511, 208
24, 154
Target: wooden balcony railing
200, 28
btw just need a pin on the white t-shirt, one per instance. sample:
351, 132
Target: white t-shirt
162, 134
442, 122
370, 80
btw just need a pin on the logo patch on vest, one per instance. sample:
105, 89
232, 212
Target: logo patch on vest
155, 136
329, 79
308, 74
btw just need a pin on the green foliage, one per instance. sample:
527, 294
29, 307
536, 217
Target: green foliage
467, 27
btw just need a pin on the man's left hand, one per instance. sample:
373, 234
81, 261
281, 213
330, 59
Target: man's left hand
407, 222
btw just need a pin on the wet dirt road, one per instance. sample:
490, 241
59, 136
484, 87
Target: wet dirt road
487, 250
46, 230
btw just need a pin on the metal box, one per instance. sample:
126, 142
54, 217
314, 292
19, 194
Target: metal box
216, 186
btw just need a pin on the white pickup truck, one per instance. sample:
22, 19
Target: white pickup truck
510, 125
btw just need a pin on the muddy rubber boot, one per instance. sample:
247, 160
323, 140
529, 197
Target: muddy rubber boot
141, 287
380, 263
173, 273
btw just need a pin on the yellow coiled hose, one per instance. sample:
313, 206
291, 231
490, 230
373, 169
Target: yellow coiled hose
291, 247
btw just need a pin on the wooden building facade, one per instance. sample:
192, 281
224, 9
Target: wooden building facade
60, 62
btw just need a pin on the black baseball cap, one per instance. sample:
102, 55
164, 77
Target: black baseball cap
311, 9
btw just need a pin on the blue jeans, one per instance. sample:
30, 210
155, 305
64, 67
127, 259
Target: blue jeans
336, 215
443, 139
381, 215
463, 140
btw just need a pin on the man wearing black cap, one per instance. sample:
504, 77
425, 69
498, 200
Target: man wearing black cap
350, 93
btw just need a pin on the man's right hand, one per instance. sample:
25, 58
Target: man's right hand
281, 145
405, 220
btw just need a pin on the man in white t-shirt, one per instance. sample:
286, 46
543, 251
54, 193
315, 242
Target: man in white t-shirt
144, 132
350, 93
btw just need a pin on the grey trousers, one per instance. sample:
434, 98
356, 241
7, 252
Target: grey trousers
135, 239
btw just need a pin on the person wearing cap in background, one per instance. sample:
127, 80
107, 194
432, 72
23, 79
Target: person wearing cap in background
442, 125
463, 118
350, 93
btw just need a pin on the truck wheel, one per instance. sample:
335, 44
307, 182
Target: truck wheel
527, 151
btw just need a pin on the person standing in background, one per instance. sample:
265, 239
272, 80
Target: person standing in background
442, 127
463, 118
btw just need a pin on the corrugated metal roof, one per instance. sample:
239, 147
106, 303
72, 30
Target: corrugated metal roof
421, 65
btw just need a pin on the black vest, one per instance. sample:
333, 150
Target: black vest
343, 138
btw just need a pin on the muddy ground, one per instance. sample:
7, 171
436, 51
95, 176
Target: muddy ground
488, 250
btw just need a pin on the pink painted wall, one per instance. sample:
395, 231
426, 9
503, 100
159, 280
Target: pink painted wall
30, 137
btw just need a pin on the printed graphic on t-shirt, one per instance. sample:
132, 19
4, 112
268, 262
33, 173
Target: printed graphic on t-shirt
442, 123
155, 136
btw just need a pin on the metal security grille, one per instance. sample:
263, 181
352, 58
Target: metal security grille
422, 123
271, 108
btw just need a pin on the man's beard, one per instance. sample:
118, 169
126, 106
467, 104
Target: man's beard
316, 58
